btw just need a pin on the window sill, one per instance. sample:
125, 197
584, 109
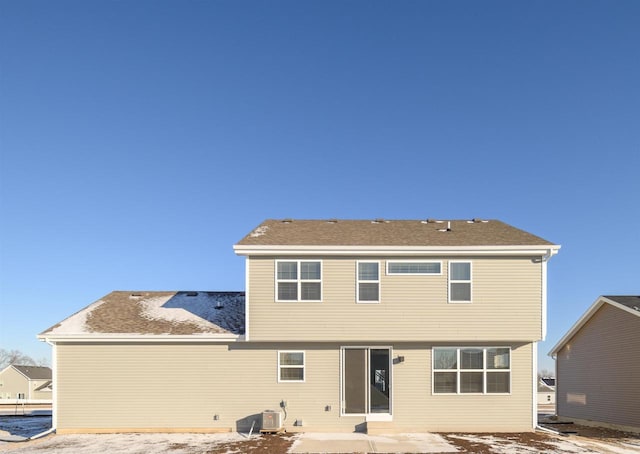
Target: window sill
298, 301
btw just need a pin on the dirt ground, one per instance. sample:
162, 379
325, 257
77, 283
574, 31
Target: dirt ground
537, 442
526, 443
579, 439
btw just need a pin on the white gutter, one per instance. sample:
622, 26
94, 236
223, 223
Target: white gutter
543, 251
100, 338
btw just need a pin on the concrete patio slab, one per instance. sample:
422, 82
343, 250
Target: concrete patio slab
333, 443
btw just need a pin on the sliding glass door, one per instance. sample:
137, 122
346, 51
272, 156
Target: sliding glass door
366, 380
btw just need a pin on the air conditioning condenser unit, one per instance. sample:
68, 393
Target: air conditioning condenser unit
271, 420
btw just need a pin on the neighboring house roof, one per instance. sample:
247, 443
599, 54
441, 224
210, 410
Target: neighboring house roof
548, 381
46, 386
34, 372
546, 385
135, 314
627, 303
389, 233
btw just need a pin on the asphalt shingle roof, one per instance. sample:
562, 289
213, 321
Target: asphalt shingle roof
631, 301
35, 372
274, 232
158, 313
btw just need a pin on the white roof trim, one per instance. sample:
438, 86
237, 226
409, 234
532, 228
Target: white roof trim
140, 338
601, 301
241, 249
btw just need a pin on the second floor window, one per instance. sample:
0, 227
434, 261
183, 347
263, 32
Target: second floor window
411, 267
298, 280
459, 282
368, 282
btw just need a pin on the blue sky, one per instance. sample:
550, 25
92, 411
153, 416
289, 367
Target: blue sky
140, 140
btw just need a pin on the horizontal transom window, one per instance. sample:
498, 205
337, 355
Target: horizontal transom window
471, 370
414, 267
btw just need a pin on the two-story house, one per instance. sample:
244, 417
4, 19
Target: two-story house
28, 384
345, 325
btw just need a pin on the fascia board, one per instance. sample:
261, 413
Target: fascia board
601, 301
395, 250
102, 338
597, 304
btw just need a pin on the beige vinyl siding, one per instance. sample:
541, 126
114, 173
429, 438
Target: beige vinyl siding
598, 370
39, 395
137, 387
507, 304
416, 408
13, 382
182, 386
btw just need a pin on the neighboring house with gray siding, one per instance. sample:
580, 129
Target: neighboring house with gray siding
598, 365
344, 325
27, 384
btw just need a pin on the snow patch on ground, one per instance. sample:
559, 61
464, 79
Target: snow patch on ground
125, 443
503, 445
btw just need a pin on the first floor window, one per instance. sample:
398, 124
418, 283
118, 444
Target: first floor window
368, 282
471, 370
290, 366
298, 280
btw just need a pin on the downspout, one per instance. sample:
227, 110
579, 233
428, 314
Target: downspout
54, 385
246, 299
544, 259
534, 390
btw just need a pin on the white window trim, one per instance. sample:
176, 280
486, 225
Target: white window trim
358, 262
287, 366
484, 371
450, 281
299, 281
413, 274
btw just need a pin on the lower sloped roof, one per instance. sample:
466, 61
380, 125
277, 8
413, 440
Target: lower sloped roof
182, 313
46, 386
